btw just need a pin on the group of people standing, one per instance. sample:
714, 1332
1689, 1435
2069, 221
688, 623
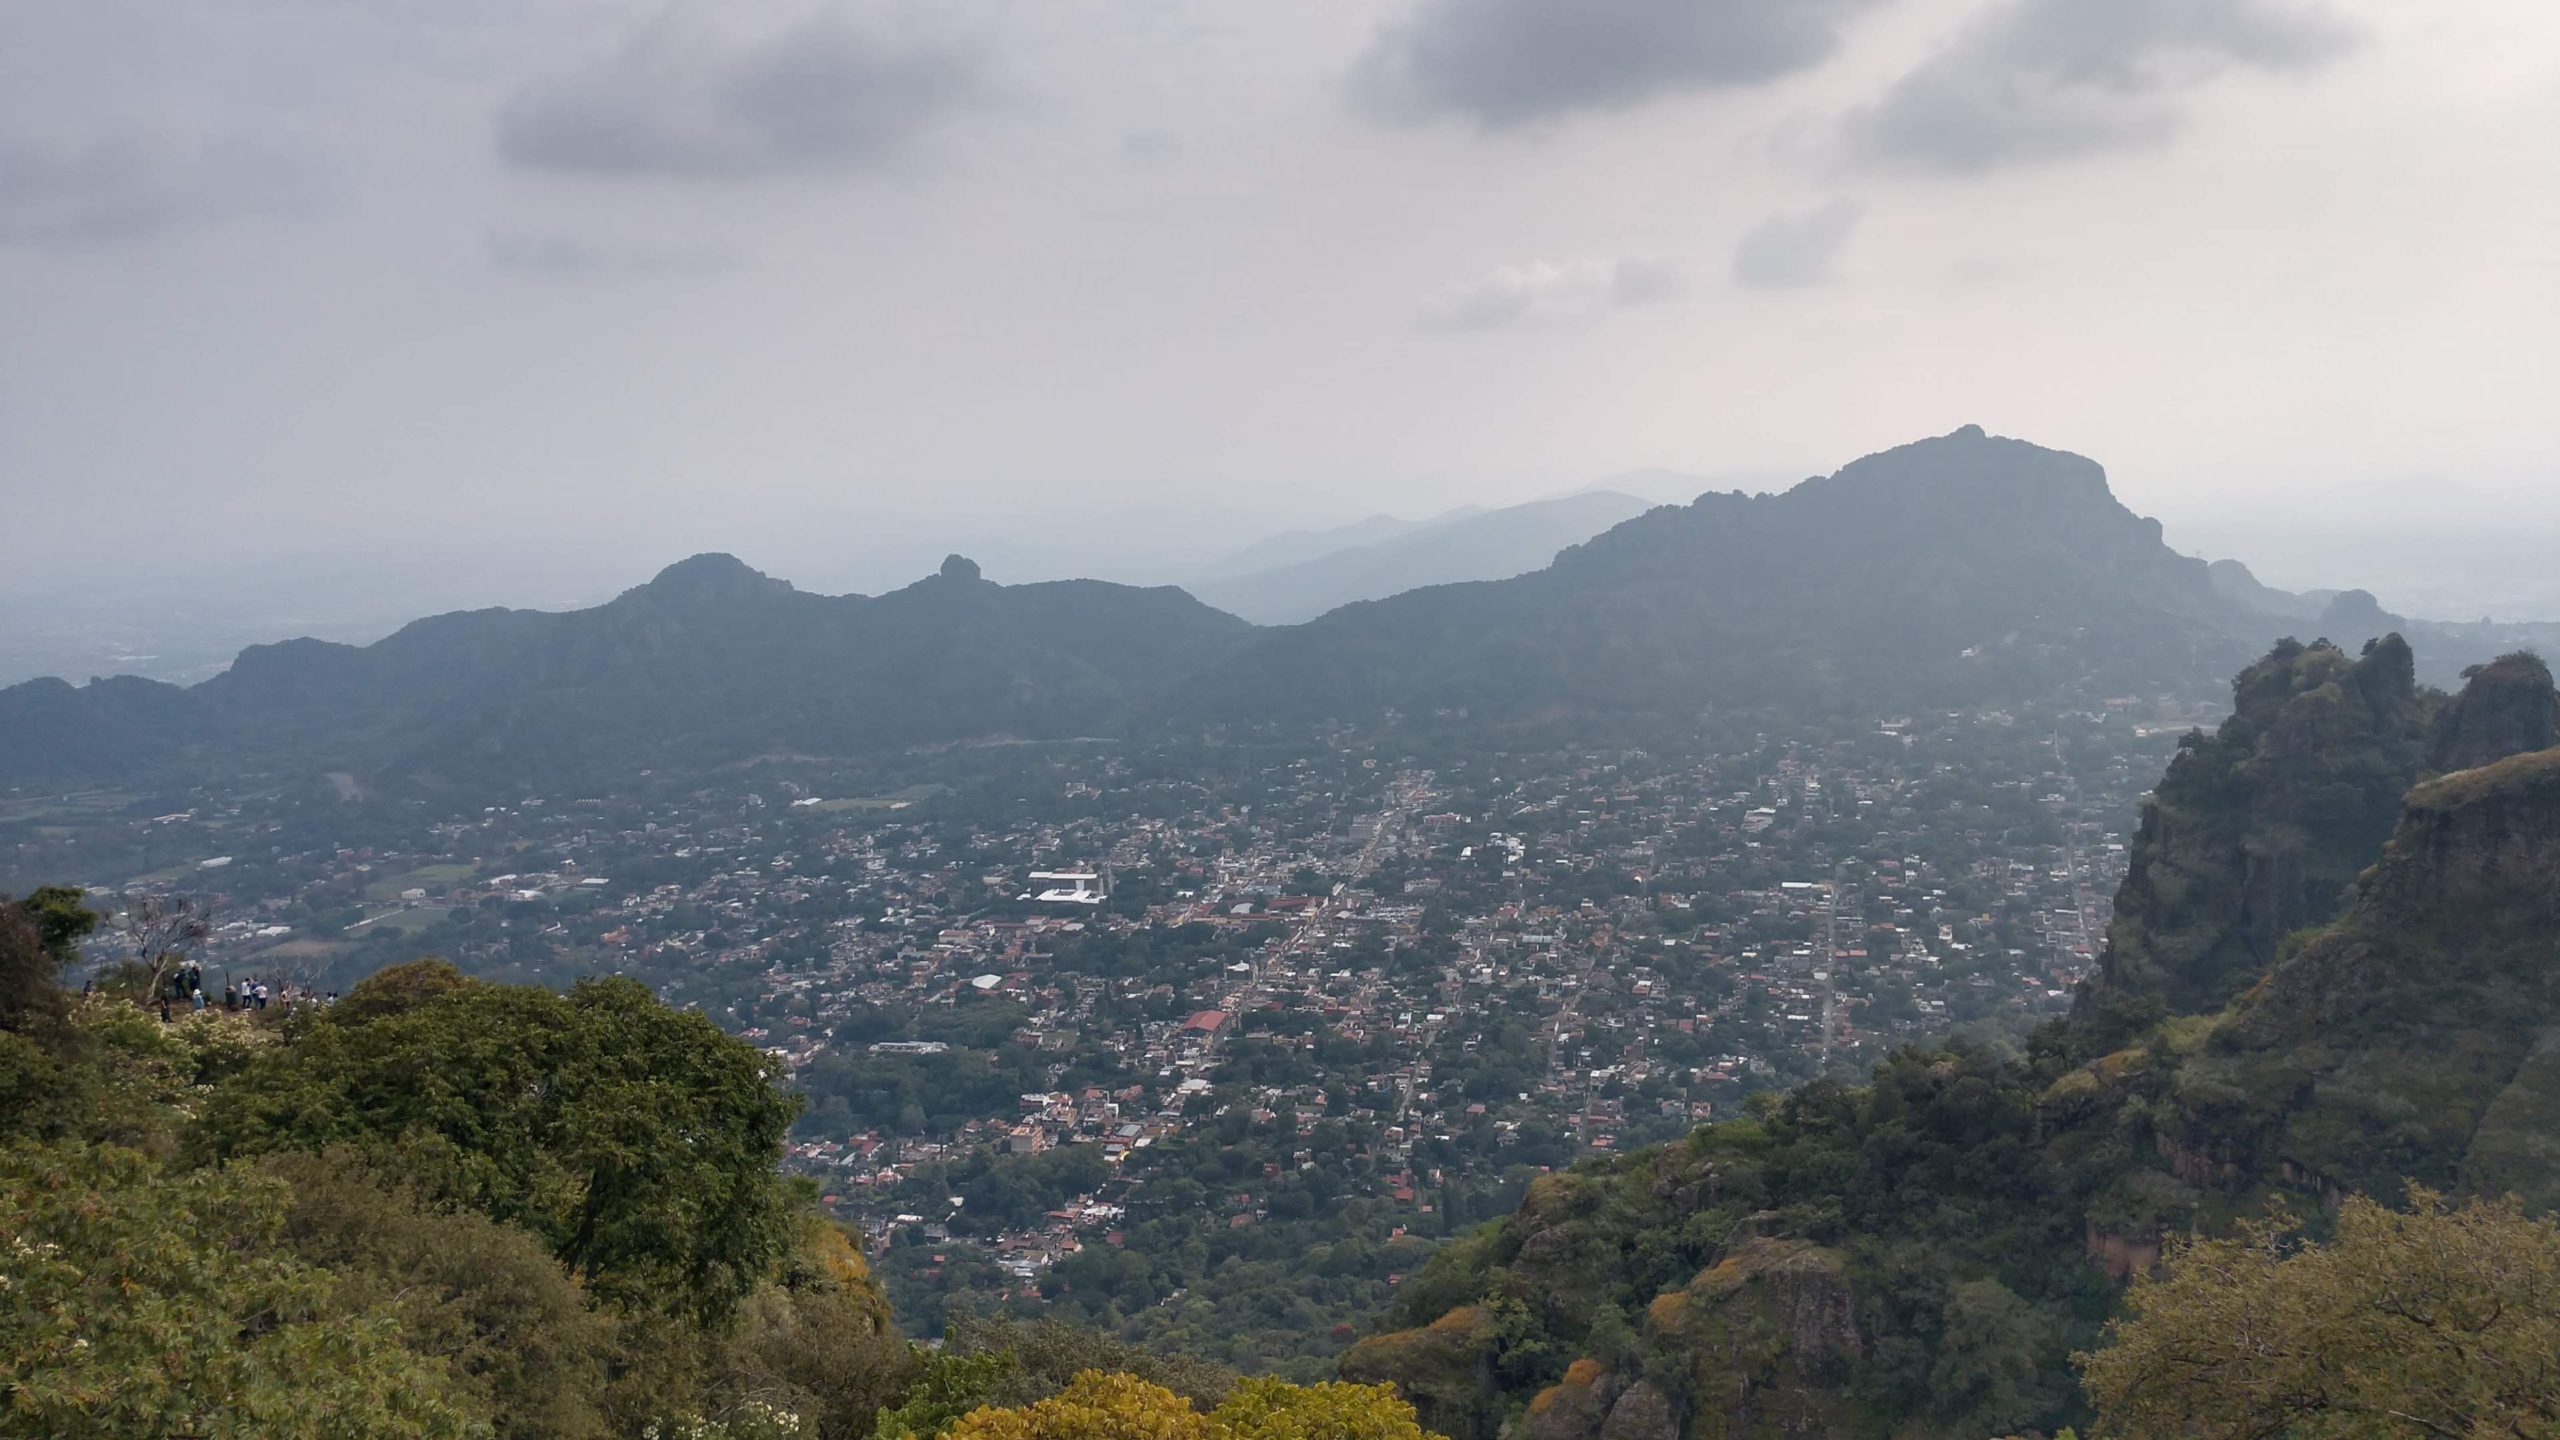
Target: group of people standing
185, 987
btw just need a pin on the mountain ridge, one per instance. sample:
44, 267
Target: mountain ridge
1459, 546
1960, 570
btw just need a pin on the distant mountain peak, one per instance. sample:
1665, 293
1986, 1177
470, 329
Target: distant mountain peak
1986, 479
712, 575
959, 567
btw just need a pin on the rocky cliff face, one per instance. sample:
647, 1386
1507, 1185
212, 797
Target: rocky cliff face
2257, 830
1768, 1332
2507, 707
2419, 1036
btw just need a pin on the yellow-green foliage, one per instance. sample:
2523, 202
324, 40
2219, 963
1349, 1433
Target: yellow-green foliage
2074, 1085
1100, 1406
1667, 1312
2184, 1035
2438, 1322
2465, 787
136, 1302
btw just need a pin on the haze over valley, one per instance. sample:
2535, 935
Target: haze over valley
1399, 720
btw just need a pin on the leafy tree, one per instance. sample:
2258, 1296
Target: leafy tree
1094, 1406
38, 936
951, 1385
102, 1070
485, 1298
1265, 1409
816, 1342
638, 1141
1098, 1405
61, 917
1048, 1354
2438, 1323
147, 1304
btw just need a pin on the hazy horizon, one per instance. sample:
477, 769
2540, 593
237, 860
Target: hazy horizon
185, 625
624, 280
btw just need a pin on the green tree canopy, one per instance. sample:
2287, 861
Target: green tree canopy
2441, 1323
637, 1140
139, 1303
1097, 1405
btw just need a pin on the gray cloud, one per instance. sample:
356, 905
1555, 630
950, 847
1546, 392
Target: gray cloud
1549, 291
821, 97
2040, 80
560, 257
1786, 252
1512, 62
135, 187
1150, 147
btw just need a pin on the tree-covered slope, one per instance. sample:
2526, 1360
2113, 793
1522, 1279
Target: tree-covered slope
1965, 569
1922, 1254
2419, 1036
443, 1209
1483, 545
708, 663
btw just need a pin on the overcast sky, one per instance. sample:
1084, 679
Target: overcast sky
613, 279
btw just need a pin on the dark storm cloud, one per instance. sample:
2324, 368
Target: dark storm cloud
134, 187
820, 97
1512, 62
2038, 80
1786, 252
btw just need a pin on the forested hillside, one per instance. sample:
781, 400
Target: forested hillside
446, 1207
1965, 570
1922, 1254
710, 663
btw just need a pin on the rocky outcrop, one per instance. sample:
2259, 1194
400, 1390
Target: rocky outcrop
1769, 1332
2507, 707
2412, 1039
1642, 1413
2120, 1255
1570, 1409
2486, 836
1444, 1368
2257, 830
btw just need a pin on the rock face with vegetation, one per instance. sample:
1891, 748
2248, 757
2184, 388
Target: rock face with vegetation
2507, 707
1921, 1255
2418, 1037
2258, 829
